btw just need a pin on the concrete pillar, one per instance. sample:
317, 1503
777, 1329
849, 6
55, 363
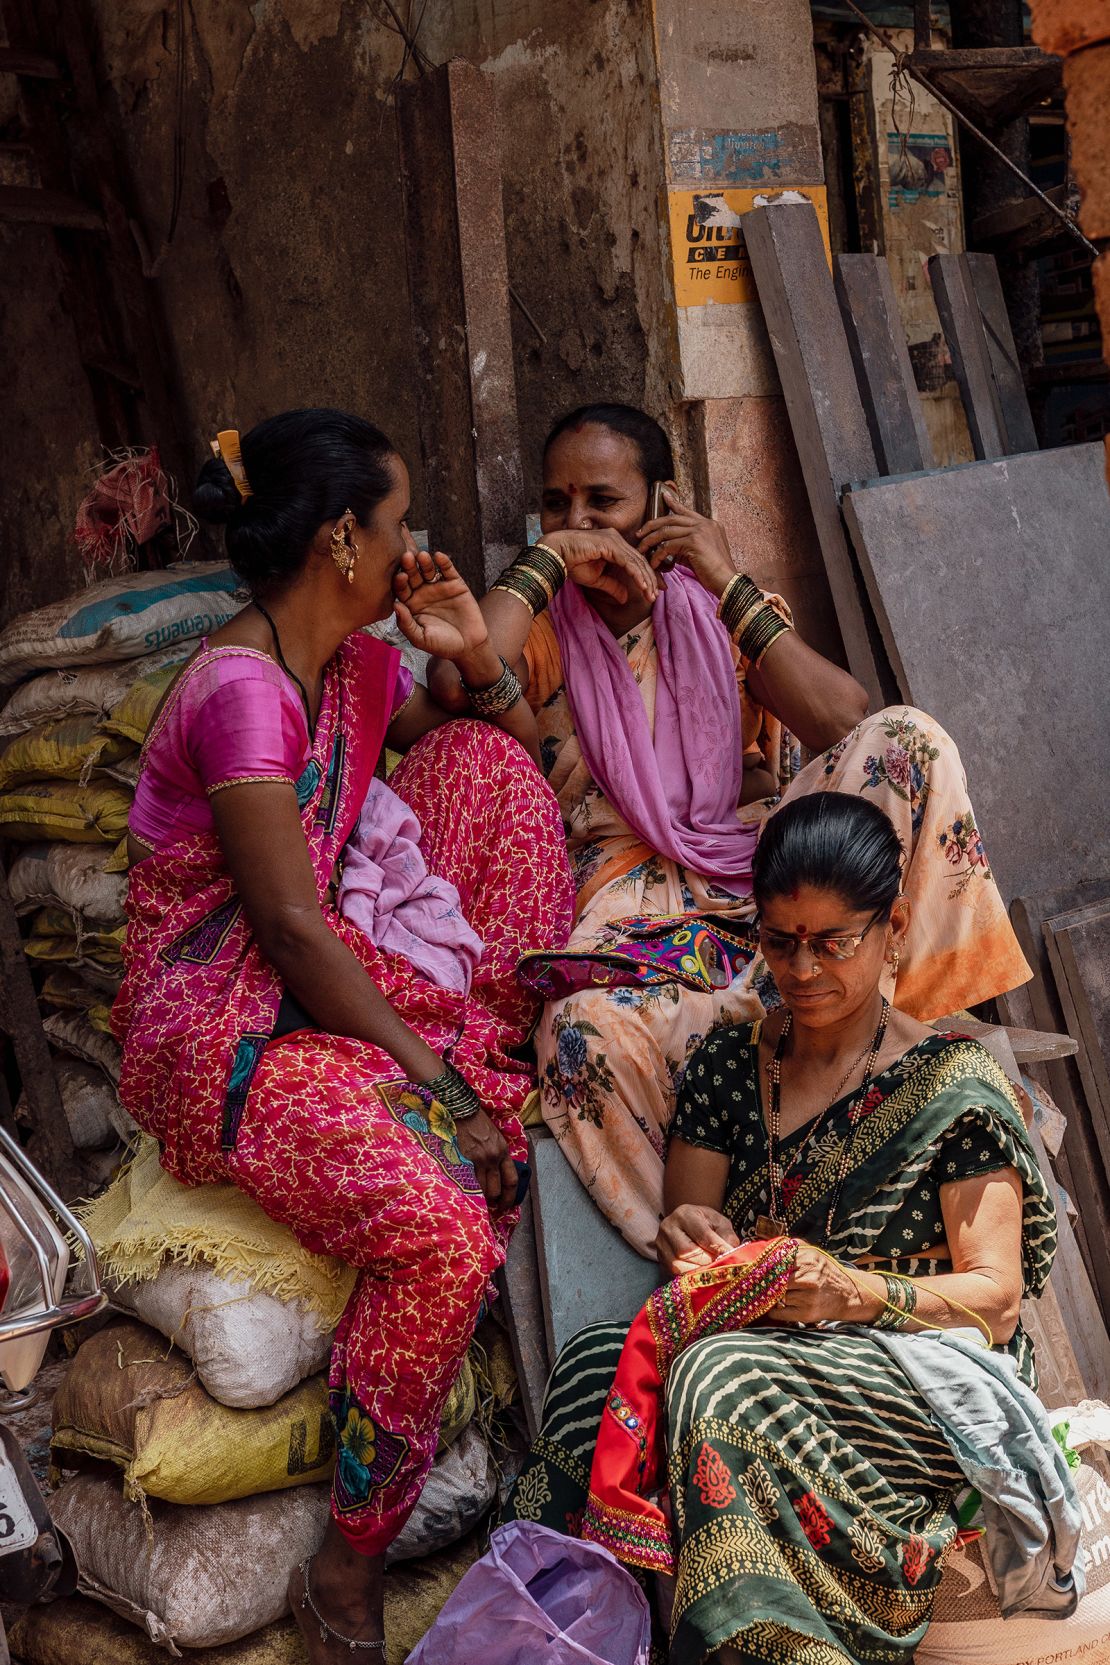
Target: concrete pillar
738, 103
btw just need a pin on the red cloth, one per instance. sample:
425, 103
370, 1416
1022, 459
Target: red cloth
126, 507
630, 1457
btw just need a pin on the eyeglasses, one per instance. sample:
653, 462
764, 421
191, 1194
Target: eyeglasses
783, 945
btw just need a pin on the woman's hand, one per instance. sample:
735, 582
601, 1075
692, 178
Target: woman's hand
822, 1290
692, 1236
482, 1143
602, 560
695, 540
435, 607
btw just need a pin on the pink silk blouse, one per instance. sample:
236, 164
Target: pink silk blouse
232, 717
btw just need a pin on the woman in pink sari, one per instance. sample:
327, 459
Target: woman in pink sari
362, 1081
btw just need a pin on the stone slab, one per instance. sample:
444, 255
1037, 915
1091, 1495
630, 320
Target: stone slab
991, 583
963, 331
588, 1273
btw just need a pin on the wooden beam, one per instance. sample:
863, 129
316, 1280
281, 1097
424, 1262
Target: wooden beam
459, 286
35, 66
1002, 356
31, 205
963, 331
52, 1146
830, 429
884, 374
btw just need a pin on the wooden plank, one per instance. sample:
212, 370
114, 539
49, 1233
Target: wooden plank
519, 1282
459, 286
1029, 1046
884, 375
963, 331
1005, 368
588, 1273
1087, 1175
1078, 945
1066, 1327
955, 563
819, 385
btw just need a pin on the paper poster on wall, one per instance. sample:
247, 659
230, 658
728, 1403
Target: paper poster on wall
919, 165
711, 264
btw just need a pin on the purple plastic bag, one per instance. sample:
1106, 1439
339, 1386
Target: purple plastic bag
537, 1595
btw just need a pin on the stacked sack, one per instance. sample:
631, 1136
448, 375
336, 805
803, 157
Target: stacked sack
86, 676
209, 1403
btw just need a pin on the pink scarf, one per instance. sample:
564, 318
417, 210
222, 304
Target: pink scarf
678, 791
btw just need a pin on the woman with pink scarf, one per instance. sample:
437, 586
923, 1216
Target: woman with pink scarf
666, 719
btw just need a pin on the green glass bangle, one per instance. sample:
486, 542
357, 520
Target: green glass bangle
455, 1094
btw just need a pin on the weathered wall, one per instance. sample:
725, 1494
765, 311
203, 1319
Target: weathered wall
285, 284
577, 107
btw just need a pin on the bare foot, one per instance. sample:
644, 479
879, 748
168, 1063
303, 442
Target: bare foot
346, 1590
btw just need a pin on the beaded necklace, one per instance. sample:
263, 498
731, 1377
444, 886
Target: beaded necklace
776, 1224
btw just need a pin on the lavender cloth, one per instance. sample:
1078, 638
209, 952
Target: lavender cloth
387, 891
679, 789
536, 1595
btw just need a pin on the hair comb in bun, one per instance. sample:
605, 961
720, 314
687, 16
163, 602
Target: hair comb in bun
226, 445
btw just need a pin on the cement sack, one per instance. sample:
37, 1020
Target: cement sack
249, 1347
73, 877
968, 1627
94, 813
129, 1398
69, 992
90, 1105
90, 690
70, 749
54, 941
120, 618
77, 1631
457, 1493
198, 1578
132, 716
73, 1034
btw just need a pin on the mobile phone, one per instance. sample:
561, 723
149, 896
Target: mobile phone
523, 1180
657, 506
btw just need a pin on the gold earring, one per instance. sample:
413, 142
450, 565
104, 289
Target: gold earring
343, 552
895, 961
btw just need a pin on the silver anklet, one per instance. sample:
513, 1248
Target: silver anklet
327, 1630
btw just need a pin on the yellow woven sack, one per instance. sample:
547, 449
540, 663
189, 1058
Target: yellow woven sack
130, 1399
146, 1216
92, 814
131, 718
66, 750
70, 993
53, 941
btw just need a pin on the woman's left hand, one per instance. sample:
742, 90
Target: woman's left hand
695, 540
821, 1290
483, 1144
435, 607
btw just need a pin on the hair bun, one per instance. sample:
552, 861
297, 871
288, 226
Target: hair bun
215, 495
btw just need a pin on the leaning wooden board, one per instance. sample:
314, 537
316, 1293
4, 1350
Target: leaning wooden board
991, 584
1079, 947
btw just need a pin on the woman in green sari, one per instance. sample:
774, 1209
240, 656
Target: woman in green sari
810, 1492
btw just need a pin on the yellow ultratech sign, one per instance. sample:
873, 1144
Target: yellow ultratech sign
710, 260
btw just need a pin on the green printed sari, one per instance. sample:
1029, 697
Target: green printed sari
811, 1494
